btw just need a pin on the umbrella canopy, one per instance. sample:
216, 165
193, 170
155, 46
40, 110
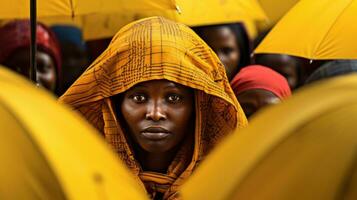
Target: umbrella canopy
48, 152
104, 24
52, 8
304, 148
276, 9
323, 29
45, 8
209, 12
199, 13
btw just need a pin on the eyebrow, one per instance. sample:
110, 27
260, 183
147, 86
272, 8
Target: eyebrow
173, 87
139, 86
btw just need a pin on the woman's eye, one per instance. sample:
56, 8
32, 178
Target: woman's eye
174, 98
41, 68
227, 50
139, 98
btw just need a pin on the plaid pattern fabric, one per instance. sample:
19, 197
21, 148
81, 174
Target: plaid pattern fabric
151, 49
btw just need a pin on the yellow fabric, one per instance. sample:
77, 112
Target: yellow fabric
325, 30
276, 9
53, 8
195, 12
48, 152
102, 19
151, 49
22, 163
45, 8
304, 148
111, 15
97, 26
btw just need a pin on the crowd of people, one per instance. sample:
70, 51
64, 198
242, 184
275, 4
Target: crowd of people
162, 94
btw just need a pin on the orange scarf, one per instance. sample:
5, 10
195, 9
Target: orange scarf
151, 49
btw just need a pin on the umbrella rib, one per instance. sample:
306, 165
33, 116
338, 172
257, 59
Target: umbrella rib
334, 22
72, 8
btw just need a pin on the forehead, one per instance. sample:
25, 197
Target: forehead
280, 63
218, 33
258, 95
159, 84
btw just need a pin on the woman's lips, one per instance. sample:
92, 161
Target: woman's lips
155, 133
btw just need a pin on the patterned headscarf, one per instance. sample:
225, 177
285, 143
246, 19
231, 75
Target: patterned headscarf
17, 34
152, 49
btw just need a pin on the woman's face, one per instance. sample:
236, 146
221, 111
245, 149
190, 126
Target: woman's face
159, 114
255, 99
224, 43
46, 69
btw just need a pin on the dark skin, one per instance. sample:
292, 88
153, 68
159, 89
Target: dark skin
295, 69
19, 61
224, 43
158, 115
254, 100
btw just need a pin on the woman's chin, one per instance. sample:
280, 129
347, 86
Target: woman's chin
156, 147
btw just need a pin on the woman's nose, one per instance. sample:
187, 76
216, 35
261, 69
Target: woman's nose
155, 111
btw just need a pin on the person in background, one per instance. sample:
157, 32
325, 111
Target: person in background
257, 87
230, 42
160, 97
295, 69
74, 54
15, 53
332, 69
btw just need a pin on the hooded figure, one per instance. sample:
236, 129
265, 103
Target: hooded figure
158, 91
15, 52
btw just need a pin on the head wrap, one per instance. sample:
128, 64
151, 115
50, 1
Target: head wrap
17, 34
260, 77
153, 49
332, 69
69, 34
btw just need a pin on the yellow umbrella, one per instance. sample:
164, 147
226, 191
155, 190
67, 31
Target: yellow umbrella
189, 12
321, 29
51, 8
276, 9
304, 148
200, 13
48, 152
45, 8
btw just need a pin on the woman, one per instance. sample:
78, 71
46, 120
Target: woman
160, 97
257, 86
15, 52
230, 42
